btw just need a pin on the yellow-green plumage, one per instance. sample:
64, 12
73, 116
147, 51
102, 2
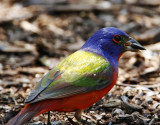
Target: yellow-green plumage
81, 63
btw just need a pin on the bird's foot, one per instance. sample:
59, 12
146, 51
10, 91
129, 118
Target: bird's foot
81, 121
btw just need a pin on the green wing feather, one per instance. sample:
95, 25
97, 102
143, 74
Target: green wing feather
79, 73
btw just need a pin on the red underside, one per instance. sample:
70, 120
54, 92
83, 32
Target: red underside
73, 103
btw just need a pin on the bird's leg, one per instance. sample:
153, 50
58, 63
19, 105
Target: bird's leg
49, 122
78, 114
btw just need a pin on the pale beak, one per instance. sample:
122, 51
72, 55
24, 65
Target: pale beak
133, 45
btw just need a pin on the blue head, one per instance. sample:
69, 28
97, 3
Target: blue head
111, 42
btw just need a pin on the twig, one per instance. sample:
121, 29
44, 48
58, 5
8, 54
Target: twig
141, 86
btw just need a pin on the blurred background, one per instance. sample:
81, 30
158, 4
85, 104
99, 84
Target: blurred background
37, 34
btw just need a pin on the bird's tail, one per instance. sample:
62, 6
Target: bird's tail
29, 111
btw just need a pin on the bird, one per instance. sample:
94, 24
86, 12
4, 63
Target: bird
82, 78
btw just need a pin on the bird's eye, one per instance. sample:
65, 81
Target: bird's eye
117, 38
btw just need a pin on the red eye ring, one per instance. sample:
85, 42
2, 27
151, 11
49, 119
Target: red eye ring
116, 38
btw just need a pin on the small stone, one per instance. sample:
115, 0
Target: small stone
112, 103
118, 112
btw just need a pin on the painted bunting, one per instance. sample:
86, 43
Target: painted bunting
81, 79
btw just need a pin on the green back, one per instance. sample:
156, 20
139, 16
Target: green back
81, 72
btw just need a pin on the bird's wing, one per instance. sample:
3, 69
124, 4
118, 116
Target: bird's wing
80, 73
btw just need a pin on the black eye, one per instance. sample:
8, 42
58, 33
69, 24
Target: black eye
117, 38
